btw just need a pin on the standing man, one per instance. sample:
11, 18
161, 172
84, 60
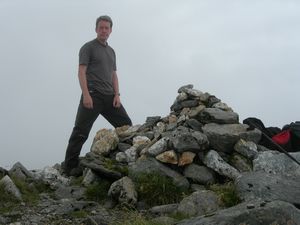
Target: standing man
100, 93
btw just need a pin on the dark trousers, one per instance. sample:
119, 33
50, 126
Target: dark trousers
85, 118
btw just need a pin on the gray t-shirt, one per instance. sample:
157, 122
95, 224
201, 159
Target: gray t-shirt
101, 62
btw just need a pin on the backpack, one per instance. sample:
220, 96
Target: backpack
258, 124
295, 135
283, 139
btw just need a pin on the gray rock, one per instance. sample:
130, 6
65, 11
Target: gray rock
163, 209
19, 171
3, 220
101, 170
123, 191
67, 206
269, 187
193, 93
195, 111
131, 154
89, 178
149, 164
276, 212
223, 137
199, 203
200, 174
215, 115
276, 162
150, 122
10, 187
201, 139
71, 192
164, 220
188, 141
189, 103
214, 161
50, 176
246, 148
194, 124
176, 106
223, 106
181, 97
123, 146
121, 157
241, 163
158, 147
185, 87
197, 187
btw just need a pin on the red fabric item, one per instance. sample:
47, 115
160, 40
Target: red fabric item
282, 138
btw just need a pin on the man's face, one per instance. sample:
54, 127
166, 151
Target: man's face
103, 30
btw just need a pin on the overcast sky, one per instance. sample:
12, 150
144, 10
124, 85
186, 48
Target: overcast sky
244, 52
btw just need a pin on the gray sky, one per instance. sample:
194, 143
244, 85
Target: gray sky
244, 52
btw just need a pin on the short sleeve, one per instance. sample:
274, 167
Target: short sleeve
84, 55
115, 61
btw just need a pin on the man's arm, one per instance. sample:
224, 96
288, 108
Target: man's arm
87, 99
117, 101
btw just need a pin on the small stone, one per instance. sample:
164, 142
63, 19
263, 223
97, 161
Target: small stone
250, 206
186, 158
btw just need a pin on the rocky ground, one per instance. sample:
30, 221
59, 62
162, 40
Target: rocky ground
197, 165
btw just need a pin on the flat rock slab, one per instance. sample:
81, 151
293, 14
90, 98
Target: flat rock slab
269, 187
251, 213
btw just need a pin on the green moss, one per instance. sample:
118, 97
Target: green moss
79, 214
76, 181
179, 216
114, 165
98, 191
42, 187
7, 202
227, 194
30, 194
134, 218
156, 189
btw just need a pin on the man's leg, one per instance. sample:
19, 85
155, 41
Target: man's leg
83, 125
116, 116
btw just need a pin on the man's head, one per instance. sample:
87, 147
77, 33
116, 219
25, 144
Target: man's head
104, 18
103, 28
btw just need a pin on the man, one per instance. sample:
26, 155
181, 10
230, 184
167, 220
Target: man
100, 93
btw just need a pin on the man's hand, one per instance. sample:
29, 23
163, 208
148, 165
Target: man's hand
88, 101
117, 101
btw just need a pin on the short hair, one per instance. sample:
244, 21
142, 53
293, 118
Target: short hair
104, 18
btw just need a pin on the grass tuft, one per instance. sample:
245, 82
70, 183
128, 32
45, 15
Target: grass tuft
227, 194
155, 189
134, 218
98, 191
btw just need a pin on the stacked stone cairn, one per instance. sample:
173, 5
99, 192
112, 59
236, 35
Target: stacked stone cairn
192, 145
201, 142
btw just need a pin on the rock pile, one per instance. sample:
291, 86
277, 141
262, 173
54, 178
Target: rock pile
200, 143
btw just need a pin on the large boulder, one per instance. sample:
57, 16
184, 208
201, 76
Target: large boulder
123, 191
251, 213
199, 203
269, 187
223, 137
148, 165
214, 161
215, 115
276, 162
105, 141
